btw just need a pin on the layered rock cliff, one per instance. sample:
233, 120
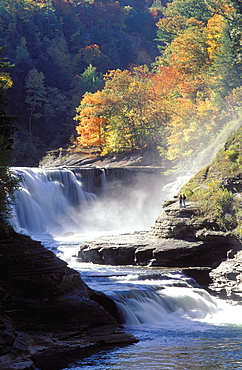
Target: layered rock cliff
178, 239
46, 308
206, 234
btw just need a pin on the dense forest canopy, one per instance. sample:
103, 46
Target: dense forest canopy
60, 50
182, 103
161, 76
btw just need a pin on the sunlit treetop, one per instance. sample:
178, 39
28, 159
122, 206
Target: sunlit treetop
5, 79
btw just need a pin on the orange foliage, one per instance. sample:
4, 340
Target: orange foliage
175, 107
91, 122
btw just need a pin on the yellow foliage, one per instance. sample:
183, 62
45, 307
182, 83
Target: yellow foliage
214, 32
5, 80
177, 106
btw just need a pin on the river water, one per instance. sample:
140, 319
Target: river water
179, 326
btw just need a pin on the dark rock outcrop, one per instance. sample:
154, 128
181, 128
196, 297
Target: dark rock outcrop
45, 306
178, 239
227, 277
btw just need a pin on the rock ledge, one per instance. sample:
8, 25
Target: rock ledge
178, 239
46, 308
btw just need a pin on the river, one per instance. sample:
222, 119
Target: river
179, 325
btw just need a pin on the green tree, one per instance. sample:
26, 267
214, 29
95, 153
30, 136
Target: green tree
90, 81
189, 9
225, 66
36, 94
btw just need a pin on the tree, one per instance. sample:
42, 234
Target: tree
188, 9
36, 94
61, 39
7, 181
91, 121
126, 111
89, 81
224, 56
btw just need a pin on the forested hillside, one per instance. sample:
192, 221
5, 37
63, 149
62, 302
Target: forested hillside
180, 105
61, 49
160, 76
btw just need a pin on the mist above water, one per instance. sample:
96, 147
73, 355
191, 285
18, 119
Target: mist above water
60, 202
207, 150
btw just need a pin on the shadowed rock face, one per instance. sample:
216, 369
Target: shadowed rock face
227, 278
45, 306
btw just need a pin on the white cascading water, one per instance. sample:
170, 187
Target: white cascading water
158, 297
48, 201
158, 306
54, 204
180, 326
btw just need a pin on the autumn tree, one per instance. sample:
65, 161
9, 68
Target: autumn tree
199, 46
89, 81
61, 39
91, 122
130, 109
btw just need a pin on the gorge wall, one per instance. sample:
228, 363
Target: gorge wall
46, 309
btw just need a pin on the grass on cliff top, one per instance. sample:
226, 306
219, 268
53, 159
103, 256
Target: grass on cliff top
208, 187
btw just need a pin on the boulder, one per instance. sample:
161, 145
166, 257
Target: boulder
227, 278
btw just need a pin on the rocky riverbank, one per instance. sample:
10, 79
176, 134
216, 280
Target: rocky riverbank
178, 239
68, 158
46, 308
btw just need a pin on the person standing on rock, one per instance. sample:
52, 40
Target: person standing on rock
184, 200
180, 200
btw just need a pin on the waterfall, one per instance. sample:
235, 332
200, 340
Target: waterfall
151, 306
178, 325
157, 298
85, 200
175, 321
47, 200
160, 298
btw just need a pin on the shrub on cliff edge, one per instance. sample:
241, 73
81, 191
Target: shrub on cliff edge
217, 187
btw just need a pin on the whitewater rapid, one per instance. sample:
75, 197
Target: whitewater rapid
179, 325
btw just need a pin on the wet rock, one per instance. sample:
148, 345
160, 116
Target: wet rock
177, 253
178, 222
45, 306
178, 239
121, 255
165, 252
227, 278
144, 255
112, 250
201, 275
